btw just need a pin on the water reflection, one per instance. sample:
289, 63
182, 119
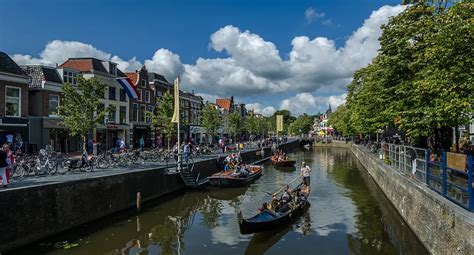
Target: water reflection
348, 214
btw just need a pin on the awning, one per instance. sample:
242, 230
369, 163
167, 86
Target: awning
49, 123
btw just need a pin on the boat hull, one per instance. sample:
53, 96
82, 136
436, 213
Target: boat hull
288, 163
223, 179
248, 226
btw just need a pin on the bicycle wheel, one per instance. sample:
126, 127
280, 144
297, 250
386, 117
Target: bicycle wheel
52, 167
65, 166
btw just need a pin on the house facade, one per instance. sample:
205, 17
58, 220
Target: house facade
14, 83
115, 126
140, 120
45, 96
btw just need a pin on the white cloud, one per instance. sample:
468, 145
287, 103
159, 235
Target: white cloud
308, 103
310, 14
57, 51
165, 62
253, 66
259, 108
327, 22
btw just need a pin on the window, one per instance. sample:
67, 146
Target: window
159, 93
12, 102
139, 94
143, 83
53, 105
123, 95
112, 93
135, 112
142, 113
112, 114
147, 96
148, 116
123, 115
113, 69
70, 77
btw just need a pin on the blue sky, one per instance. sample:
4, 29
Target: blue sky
183, 30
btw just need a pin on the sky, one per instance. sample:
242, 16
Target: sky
297, 55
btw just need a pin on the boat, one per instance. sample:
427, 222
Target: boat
227, 179
277, 162
268, 219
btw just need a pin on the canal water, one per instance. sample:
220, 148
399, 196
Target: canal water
348, 215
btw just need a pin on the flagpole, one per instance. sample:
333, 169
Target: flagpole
179, 122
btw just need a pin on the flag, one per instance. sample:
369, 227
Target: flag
176, 101
127, 85
279, 123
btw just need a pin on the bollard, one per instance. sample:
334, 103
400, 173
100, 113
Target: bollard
139, 201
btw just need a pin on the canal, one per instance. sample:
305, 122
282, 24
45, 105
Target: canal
348, 215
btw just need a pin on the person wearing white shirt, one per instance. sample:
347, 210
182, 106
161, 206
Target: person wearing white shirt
305, 173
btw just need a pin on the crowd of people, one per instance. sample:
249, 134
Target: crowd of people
280, 155
291, 198
233, 163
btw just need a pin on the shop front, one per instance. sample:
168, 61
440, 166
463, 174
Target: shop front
109, 136
198, 134
14, 131
141, 131
48, 131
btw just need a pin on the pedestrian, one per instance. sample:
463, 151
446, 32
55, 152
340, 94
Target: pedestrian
142, 143
4, 163
10, 157
186, 152
305, 173
413, 163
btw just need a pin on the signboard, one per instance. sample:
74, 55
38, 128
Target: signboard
456, 161
279, 123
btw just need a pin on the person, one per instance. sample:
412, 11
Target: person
122, 145
274, 204
4, 163
141, 142
11, 158
226, 166
263, 208
286, 196
305, 190
413, 163
274, 148
9, 138
90, 146
305, 173
186, 152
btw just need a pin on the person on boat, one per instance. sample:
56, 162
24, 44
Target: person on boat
286, 196
305, 190
226, 166
263, 208
243, 170
305, 173
274, 204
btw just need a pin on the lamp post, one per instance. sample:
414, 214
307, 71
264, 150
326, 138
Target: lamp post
106, 135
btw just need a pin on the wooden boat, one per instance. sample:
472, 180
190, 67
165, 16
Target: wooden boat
267, 219
277, 162
227, 179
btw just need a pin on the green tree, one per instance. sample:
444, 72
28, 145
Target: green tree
80, 108
211, 120
234, 124
162, 115
251, 125
302, 125
340, 120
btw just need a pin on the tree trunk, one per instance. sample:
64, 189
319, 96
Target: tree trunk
84, 143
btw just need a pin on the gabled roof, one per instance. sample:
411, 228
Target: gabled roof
87, 65
39, 74
224, 103
158, 77
7, 65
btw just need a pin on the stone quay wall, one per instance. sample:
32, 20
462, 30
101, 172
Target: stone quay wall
32, 213
442, 226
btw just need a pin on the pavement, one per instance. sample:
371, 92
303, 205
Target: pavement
32, 181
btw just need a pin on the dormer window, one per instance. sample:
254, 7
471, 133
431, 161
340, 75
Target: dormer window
70, 77
113, 69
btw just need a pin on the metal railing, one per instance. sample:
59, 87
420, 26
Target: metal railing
452, 182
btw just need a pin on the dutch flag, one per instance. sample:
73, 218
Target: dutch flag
127, 85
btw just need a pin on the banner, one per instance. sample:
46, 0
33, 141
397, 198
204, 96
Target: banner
279, 124
176, 101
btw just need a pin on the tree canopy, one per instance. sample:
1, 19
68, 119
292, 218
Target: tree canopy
211, 119
162, 115
421, 80
81, 108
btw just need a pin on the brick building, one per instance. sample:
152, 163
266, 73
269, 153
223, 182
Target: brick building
14, 84
45, 97
140, 121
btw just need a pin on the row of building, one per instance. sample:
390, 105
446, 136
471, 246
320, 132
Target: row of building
30, 96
